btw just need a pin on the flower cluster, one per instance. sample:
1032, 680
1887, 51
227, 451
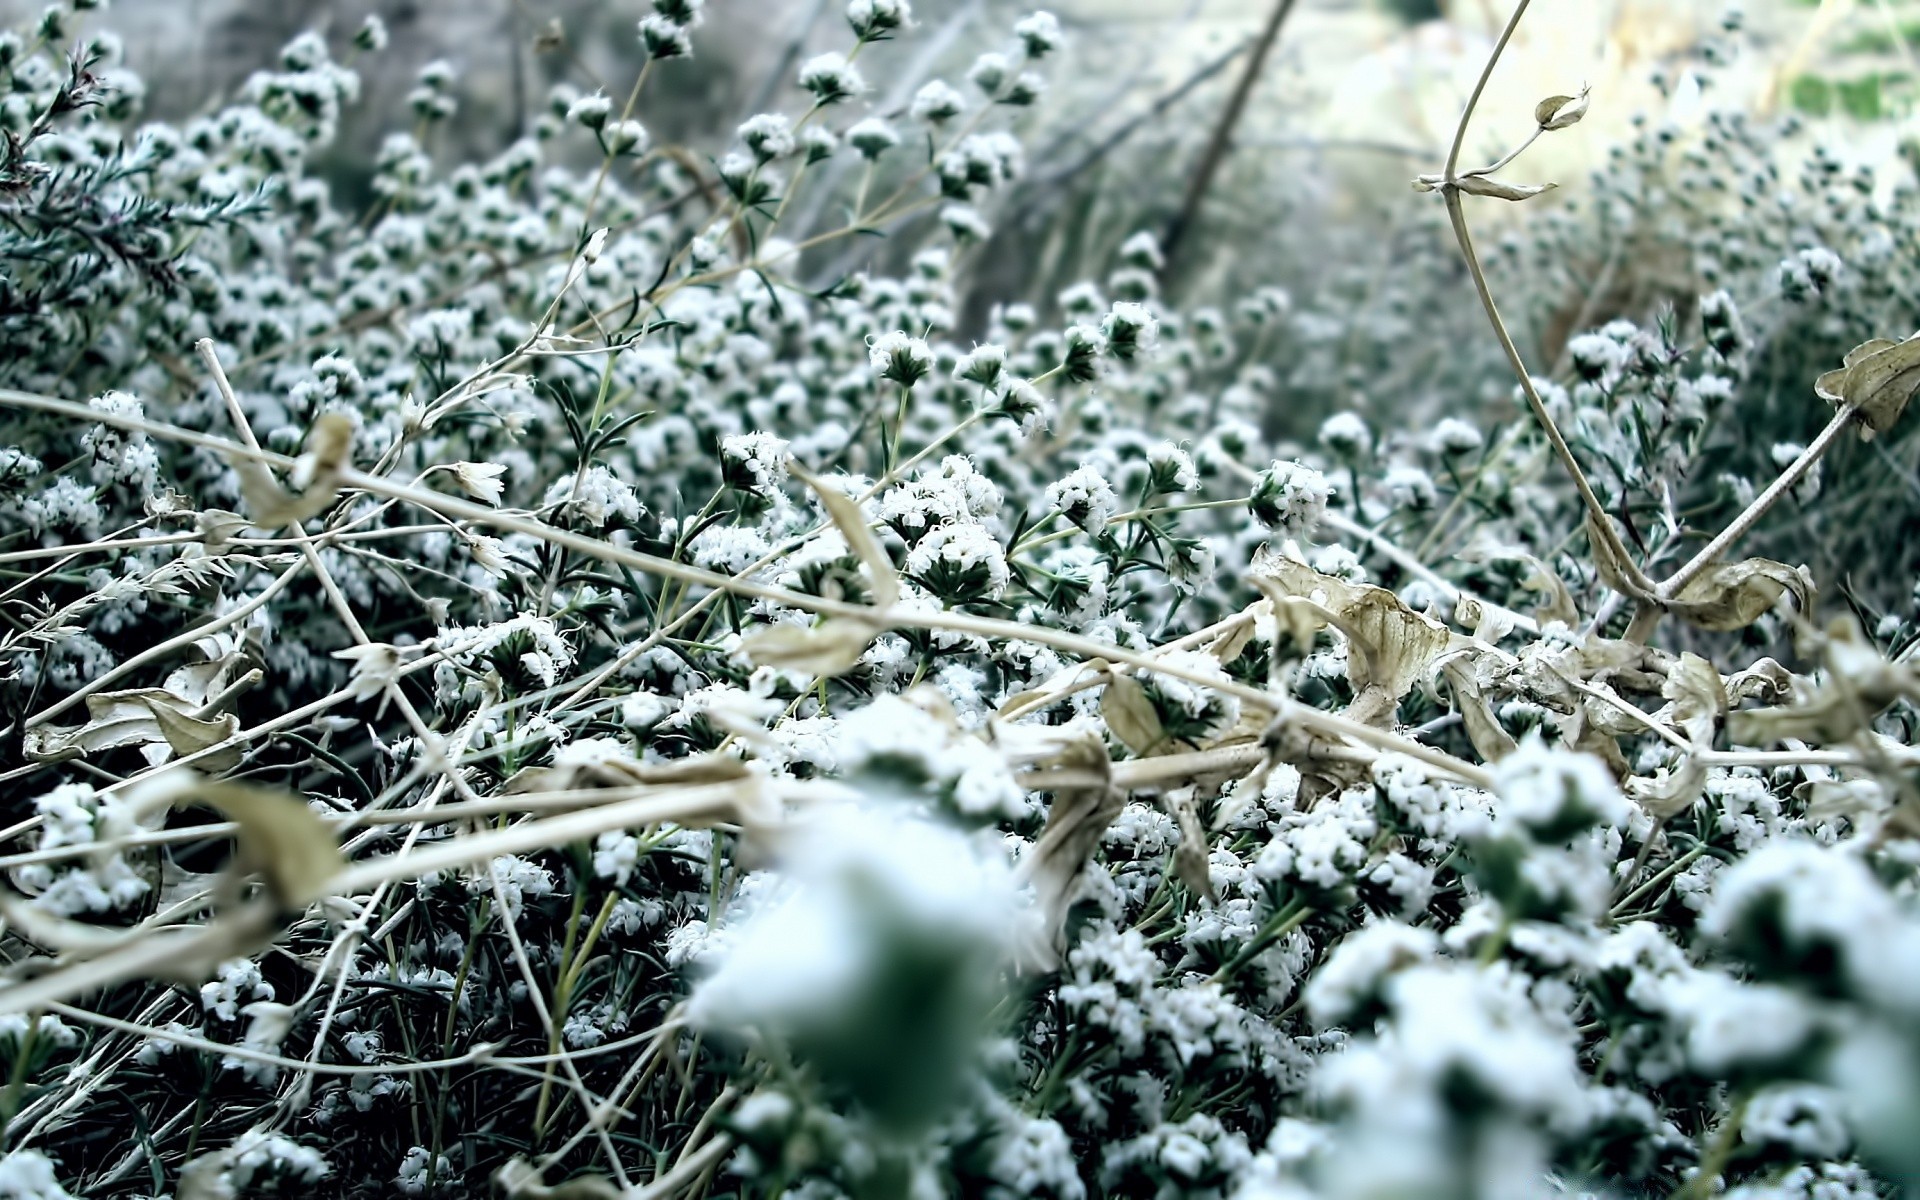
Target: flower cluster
582, 675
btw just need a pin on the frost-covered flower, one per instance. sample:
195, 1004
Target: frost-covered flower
1085, 498
961, 564
1290, 498
900, 357
937, 103
831, 79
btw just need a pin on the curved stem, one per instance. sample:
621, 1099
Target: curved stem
1456, 214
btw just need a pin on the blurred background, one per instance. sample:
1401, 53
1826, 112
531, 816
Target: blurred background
1267, 143
1351, 97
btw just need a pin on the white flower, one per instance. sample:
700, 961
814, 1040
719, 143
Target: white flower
1345, 434
937, 103
961, 563
376, 667
28, 1175
1453, 437
831, 78
872, 137
1039, 33
900, 357
482, 481
1085, 498
769, 136
754, 461
1290, 498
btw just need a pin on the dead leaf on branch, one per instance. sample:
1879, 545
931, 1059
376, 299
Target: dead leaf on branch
1130, 713
1076, 821
1191, 855
1698, 702
156, 720
1878, 380
852, 524
1490, 739
1860, 684
1730, 596
1389, 646
272, 506
826, 650
1723, 598
1480, 185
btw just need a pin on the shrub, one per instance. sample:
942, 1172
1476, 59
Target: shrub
523, 688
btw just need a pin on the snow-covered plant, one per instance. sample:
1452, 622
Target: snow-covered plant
571, 679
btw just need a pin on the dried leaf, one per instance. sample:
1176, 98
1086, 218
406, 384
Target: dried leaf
152, 718
1699, 699
1484, 730
1488, 623
1731, 596
1559, 112
1616, 572
1860, 684
1130, 714
852, 524
1480, 185
1390, 647
183, 955
279, 836
1766, 681
1233, 642
1545, 580
1190, 856
826, 650
1056, 687
271, 505
1879, 378
1076, 820
1667, 793
76, 938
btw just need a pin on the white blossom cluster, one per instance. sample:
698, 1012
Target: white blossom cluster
792, 727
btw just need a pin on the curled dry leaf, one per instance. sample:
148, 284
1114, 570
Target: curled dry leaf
852, 524
1054, 688
1190, 856
183, 955
1731, 596
1699, 699
280, 837
1130, 714
1076, 820
156, 720
272, 506
1766, 681
1723, 598
1541, 579
626, 772
1480, 185
1484, 730
1878, 380
1698, 702
1616, 571
1860, 684
1560, 112
825, 650
1390, 647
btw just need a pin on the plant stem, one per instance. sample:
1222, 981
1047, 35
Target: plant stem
1456, 215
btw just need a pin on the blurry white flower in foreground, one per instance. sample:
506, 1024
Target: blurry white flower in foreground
877, 962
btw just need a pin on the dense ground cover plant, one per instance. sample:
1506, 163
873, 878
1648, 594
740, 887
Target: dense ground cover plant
516, 691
